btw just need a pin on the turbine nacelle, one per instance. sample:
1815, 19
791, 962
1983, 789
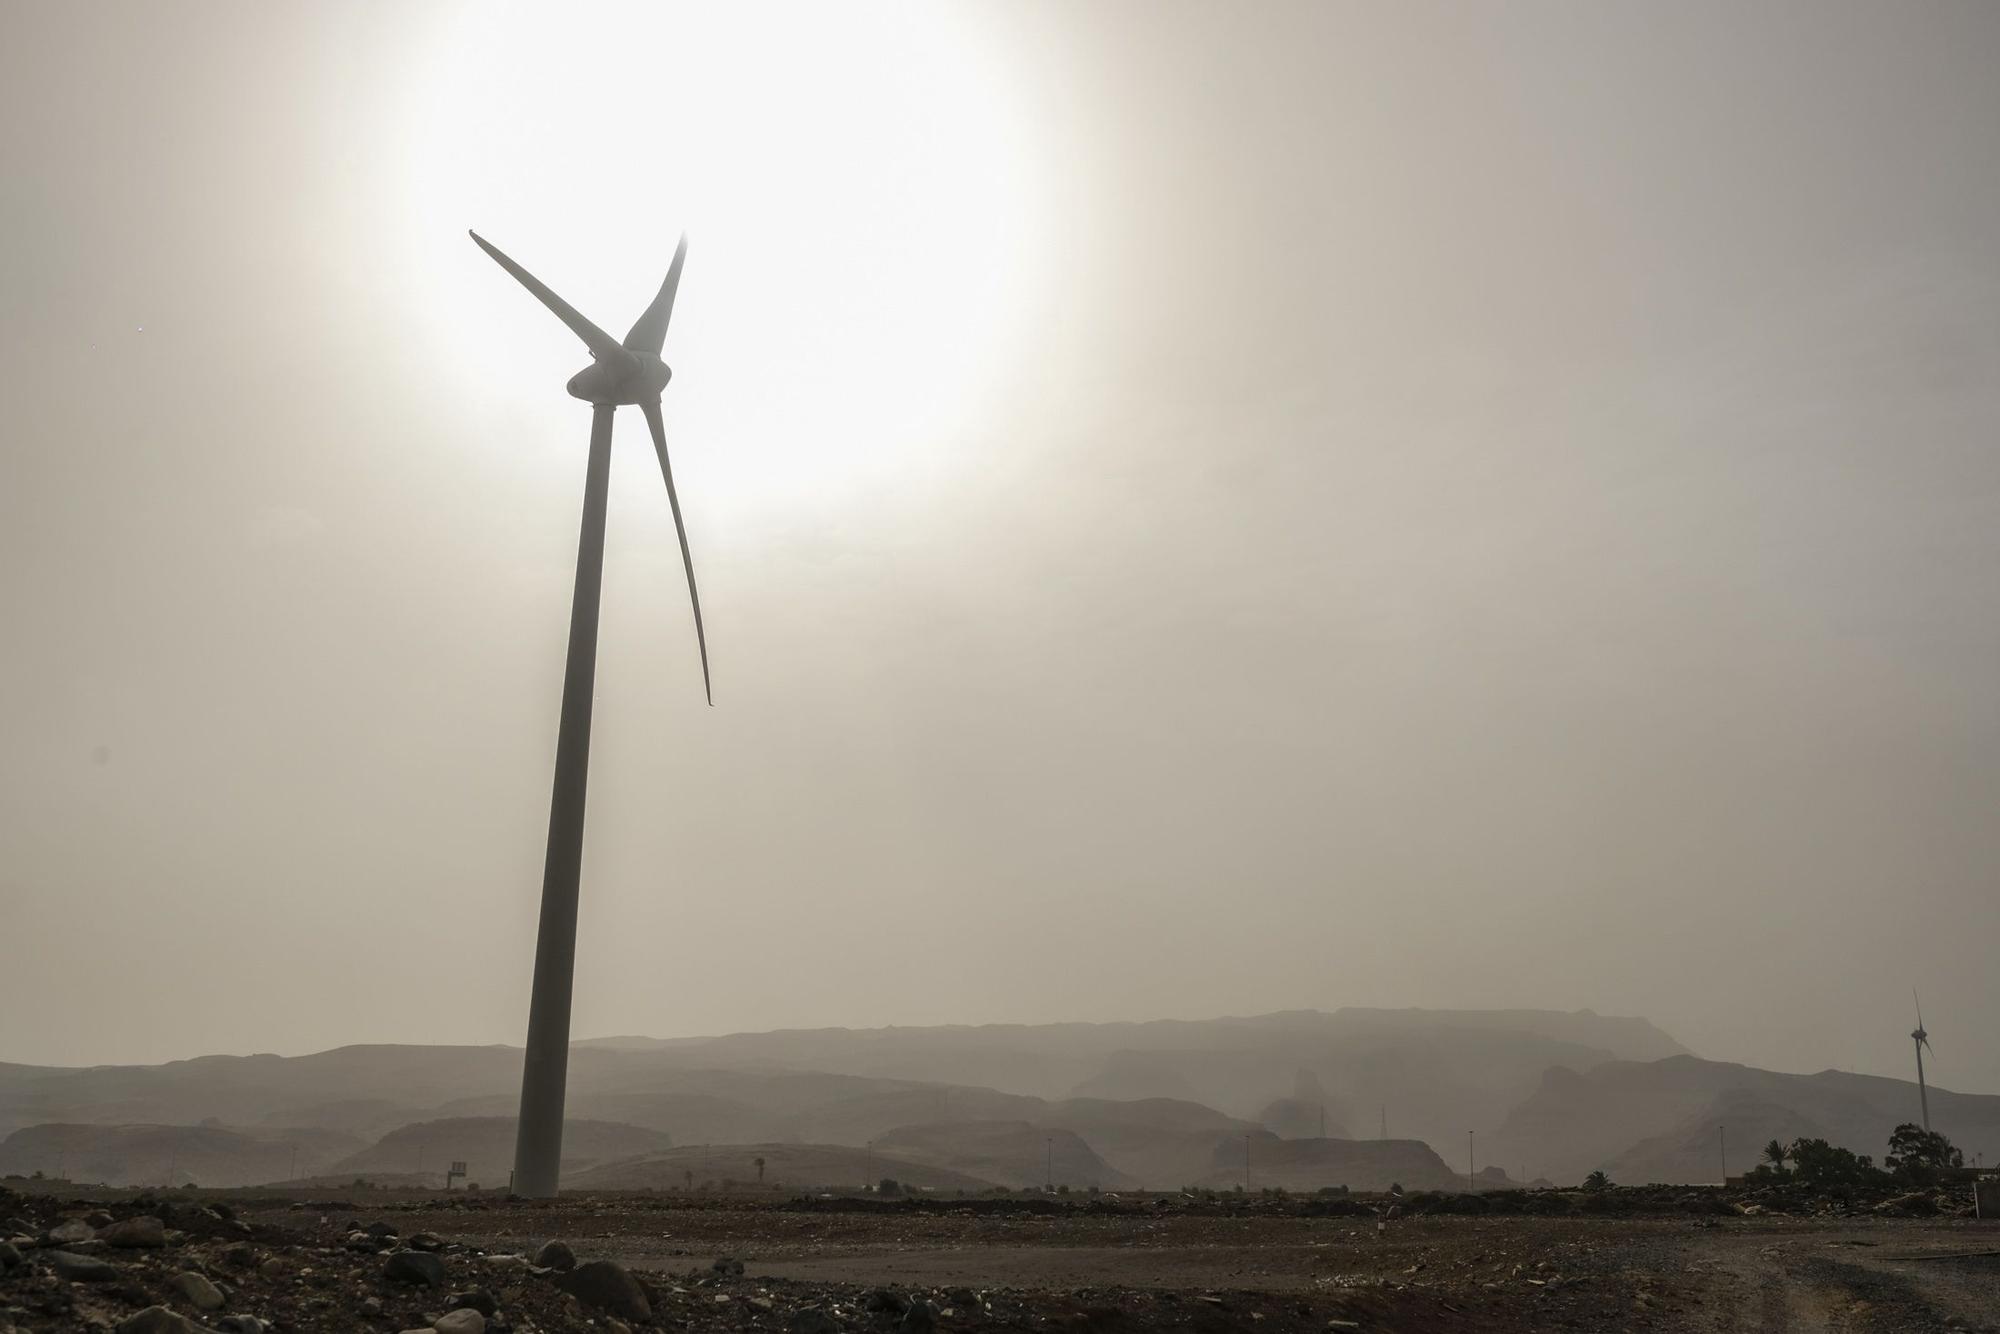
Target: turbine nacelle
627, 374
639, 380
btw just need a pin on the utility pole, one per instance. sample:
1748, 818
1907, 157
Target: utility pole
1468, 1160
294, 1174
1322, 1120
1049, 1163
1246, 1164
1385, 1120
1722, 1150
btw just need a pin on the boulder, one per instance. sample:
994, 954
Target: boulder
158, 1320
812, 1320
414, 1267
9, 1257
241, 1324
70, 1231
142, 1230
608, 1286
200, 1293
81, 1268
555, 1255
465, 1320
474, 1299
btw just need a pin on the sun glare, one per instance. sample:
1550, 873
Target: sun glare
855, 191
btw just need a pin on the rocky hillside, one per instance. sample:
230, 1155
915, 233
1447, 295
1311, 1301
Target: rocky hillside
787, 1168
1312, 1164
485, 1144
1657, 1121
1009, 1153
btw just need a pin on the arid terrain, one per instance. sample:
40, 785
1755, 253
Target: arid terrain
1660, 1260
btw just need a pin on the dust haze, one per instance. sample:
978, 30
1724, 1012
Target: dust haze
1202, 511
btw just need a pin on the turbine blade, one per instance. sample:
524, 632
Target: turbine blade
600, 343
659, 429
650, 333
1920, 1006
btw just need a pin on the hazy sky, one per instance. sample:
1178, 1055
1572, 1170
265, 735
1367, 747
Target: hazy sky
1201, 509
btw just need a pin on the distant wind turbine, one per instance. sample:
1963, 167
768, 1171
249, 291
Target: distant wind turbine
630, 372
1922, 1040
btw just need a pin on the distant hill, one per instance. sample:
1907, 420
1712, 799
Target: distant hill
786, 1167
486, 1145
1657, 1121
1426, 1074
154, 1155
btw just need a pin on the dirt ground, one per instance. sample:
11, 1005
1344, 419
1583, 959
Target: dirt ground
819, 1266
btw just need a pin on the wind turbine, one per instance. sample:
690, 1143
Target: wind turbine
630, 372
1923, 1040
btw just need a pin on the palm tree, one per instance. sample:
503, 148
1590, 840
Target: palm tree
1774, 1154
760, 1169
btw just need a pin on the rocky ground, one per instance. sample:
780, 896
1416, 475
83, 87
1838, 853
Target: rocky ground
1665, 1259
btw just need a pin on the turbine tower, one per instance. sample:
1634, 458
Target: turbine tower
1922, 1040
630, 372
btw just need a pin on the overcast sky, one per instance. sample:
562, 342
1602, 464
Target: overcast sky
1201, 509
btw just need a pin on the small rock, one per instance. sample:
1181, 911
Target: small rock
727, 1266
157, 1320
371, 1306
414, 1267
81, 1268
555, 1255
241, 1324
883, 1301
921, 1318
240, 1257
71, 1231
379, 1230
465, 1320
271, 1268
607, 1285
143, 1230
9, 1257
204, 1295
425, 1241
